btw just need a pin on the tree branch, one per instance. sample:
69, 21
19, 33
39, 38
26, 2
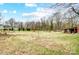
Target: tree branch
75, 11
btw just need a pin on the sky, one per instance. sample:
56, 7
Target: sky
27, 11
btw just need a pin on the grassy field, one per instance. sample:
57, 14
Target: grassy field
39, 43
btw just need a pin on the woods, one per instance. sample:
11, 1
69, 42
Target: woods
58, 21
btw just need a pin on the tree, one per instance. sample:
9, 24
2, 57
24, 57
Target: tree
77, 12
57, 19
20, 26
11, 23
71, 18
43, 24
50, 23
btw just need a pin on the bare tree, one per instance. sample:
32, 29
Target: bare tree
77, 12
11, 23
57, 17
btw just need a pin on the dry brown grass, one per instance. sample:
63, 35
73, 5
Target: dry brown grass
29, 42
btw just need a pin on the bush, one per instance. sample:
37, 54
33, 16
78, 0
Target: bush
28, 29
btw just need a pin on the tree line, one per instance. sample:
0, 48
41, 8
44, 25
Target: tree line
55, 22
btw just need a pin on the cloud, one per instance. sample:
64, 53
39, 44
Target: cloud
40, 9
4, 11
14, 11
30, 4
46, 10
40, 13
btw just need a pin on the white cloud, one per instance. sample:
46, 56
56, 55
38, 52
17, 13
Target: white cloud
46, 10
4, 11
14, 11
41, 12
30, 4
40, 9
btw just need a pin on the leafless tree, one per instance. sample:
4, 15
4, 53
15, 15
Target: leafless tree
11, 22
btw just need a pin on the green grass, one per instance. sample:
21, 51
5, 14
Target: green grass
74, 39
39, 43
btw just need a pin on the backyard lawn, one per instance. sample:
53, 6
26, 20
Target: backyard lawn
39, 43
